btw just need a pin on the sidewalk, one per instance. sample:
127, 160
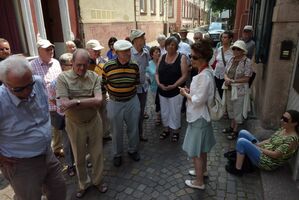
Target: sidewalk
162, 170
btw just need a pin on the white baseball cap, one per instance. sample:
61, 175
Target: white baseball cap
248, 28
94, 45
43, 43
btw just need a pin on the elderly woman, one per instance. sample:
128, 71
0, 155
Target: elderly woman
236, 91
161, 40
199, 138
172, 71
70, 46
271, 153
222, 55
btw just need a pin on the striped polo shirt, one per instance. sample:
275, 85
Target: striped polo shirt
121, 80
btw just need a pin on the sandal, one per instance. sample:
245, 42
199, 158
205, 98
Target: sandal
175, 137
228, 130
164, 135
81, 193
145, 116
102, 188
233, 135
158, 122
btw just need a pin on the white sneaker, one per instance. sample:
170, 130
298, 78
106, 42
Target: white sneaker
193, 173
190, 184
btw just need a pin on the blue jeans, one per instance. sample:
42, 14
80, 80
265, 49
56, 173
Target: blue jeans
245, 145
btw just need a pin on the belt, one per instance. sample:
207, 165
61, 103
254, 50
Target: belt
120, 100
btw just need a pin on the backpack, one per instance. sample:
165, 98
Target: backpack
215, 105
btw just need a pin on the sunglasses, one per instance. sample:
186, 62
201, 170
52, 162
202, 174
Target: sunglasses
21, 89
236, 49
194, 57
284, 119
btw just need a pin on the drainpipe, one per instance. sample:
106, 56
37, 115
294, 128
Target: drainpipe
135, 17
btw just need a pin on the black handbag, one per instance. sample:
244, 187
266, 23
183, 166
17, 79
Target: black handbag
247, 166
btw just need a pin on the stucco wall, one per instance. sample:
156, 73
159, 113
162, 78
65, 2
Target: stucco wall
274, 78
100, 11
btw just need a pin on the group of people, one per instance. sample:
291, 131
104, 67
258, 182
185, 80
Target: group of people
84, 98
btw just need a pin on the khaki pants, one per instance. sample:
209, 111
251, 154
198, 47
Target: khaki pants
29, 177
105, 121
56, 139
87, 137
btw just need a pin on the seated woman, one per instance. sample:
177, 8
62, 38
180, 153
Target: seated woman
271, 153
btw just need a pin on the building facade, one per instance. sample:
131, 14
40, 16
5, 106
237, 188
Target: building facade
276, 31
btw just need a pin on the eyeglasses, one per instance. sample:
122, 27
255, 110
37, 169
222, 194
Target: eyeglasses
21, 89
236, 49
197, 38
284, 119
49, 49
194, 57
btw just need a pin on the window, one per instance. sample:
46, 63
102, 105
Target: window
153, 7
170, 8
143, 6
161, 7
183, 8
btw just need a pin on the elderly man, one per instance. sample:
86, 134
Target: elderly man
183, 33
4, 50
121, 77
48, 68
198, 36
247, 38
140, 55
79, 93
94, 49
26, 158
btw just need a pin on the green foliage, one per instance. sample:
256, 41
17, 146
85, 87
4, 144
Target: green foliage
220, 5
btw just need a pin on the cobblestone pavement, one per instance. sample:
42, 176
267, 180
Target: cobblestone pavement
162, 170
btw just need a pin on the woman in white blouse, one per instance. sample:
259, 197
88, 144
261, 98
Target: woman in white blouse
222, 55
199, 138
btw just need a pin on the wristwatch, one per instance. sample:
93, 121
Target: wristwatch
78, 102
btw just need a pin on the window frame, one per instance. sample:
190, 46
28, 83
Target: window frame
143, 6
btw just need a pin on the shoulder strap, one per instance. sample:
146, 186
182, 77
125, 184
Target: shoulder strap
222, 54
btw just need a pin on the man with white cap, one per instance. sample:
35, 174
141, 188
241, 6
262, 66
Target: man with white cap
121, 78
96, 64
48, 68
94, 49
141, 56
247, 38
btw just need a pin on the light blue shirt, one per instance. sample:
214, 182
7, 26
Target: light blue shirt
142, 60
25, 128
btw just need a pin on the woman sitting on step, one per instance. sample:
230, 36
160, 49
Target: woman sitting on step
271, 153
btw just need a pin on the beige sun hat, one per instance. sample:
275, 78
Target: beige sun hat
94, 45
241, 45
122, 45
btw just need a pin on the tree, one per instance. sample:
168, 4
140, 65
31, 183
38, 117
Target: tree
220, 5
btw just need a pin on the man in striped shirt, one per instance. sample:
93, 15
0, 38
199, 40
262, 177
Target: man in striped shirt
120, 78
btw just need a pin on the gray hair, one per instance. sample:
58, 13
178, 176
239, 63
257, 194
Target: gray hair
66, 57
70, 43
81, 52
18, 65
161, 37
2, 40
198, 32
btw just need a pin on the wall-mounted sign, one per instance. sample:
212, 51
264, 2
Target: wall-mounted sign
286, 49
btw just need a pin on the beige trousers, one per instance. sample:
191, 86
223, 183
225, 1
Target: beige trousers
56, 139
87, 138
